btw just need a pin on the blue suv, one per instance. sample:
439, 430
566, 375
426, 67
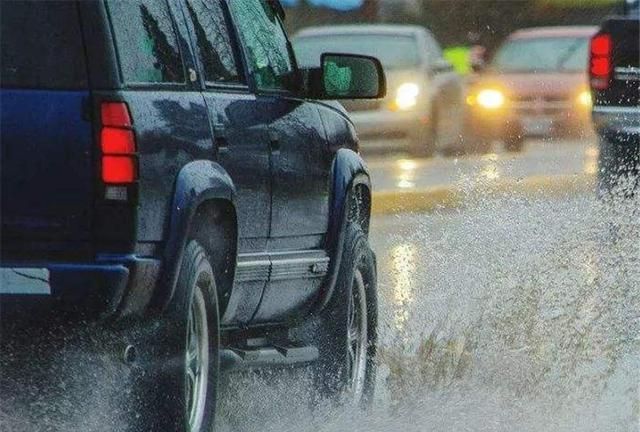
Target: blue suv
167, 165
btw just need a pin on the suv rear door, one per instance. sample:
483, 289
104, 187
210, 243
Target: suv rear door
46, 141
242, 147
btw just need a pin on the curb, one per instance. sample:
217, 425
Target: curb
455, 196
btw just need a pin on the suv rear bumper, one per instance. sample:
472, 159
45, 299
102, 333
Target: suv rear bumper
111, 287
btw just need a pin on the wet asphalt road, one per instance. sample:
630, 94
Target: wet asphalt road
540, 157
510, 314
514, 314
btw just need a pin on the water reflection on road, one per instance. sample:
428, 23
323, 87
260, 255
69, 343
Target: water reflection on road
403, 267
520, 315
512, 314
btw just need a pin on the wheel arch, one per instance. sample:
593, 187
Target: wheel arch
203, 190
214, 226
348, 173
350, 202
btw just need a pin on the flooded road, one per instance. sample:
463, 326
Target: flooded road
509, 314
514, 315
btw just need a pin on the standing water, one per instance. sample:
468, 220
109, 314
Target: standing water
510, 314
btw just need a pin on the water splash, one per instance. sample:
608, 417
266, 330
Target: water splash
511, 314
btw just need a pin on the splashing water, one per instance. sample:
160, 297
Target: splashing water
511, 314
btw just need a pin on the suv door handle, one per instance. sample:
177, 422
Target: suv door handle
220, 135
274, 141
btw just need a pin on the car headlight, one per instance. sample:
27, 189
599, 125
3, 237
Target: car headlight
490, 99
407, 96
584, 99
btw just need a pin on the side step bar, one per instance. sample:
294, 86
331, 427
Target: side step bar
233, 358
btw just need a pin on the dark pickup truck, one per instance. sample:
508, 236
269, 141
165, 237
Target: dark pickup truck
614, 70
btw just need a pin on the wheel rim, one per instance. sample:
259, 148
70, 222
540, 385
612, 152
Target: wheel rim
357, 338
196, 361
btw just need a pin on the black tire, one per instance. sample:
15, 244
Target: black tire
356, 285
164, 386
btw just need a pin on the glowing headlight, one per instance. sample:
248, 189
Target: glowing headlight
407, 96
584, 98
490, 99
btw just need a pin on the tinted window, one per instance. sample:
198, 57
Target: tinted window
266, 43
41, 45
146, 41
543, 55
394, 51
214, 43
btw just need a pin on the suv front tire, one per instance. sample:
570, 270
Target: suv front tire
346, 333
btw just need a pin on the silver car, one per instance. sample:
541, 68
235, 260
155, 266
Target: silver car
424, 104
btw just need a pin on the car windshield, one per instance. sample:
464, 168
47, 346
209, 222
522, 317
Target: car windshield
394, 51
549, 54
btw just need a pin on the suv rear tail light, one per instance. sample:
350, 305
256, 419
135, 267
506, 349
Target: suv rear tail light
115, 114
118, 145
600, 62
118, 170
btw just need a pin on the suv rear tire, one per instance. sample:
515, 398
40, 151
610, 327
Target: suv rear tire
347, 332
180, 390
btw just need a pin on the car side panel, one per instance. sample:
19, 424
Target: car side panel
301, 161
242, 148
244, 153
172, 129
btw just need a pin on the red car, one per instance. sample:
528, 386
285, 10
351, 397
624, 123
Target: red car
536, 85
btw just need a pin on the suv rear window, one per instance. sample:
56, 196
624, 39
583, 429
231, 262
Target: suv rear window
146, 41
41, 45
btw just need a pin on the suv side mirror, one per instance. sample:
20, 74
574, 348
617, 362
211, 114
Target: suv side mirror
347, 76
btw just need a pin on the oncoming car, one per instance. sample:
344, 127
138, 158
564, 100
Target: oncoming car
536, 85
168, 172
425, 99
